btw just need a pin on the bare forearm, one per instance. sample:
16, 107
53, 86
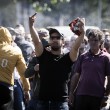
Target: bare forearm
36, 40
34, 35
74, 83
78, 42
75, 48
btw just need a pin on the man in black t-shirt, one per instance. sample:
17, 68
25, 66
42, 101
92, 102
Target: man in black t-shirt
54, 67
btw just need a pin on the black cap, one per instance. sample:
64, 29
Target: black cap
52, 30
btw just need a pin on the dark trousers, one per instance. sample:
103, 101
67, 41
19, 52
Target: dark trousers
84, 102
6, 98
52, 105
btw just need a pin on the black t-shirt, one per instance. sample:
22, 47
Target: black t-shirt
54, 73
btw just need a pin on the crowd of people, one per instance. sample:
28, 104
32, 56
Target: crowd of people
41, 70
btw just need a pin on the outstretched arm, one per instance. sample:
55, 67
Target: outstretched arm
75, 47
35, 37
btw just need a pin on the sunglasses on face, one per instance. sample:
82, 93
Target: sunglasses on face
55, 37
93, 40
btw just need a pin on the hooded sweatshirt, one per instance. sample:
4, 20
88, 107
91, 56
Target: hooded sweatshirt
9, 59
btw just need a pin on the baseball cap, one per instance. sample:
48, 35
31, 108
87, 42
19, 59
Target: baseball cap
52, 30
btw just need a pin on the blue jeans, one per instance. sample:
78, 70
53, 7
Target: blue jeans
18, 97
52, 105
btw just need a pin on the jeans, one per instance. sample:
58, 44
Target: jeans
52, 105
18, 97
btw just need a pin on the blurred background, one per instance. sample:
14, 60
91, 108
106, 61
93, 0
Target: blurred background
54, 12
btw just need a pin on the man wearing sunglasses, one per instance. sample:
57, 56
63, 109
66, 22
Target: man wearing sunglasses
54, 67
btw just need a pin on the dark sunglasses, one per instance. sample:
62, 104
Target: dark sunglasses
93, 40
55, 37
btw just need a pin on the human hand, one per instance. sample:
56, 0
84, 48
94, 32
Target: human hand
104, 101
36, 67
77, 26
71, 99
27, 96
32, 19
48, 48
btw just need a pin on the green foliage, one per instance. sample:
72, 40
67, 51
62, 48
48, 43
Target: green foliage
47, 5
68, 9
